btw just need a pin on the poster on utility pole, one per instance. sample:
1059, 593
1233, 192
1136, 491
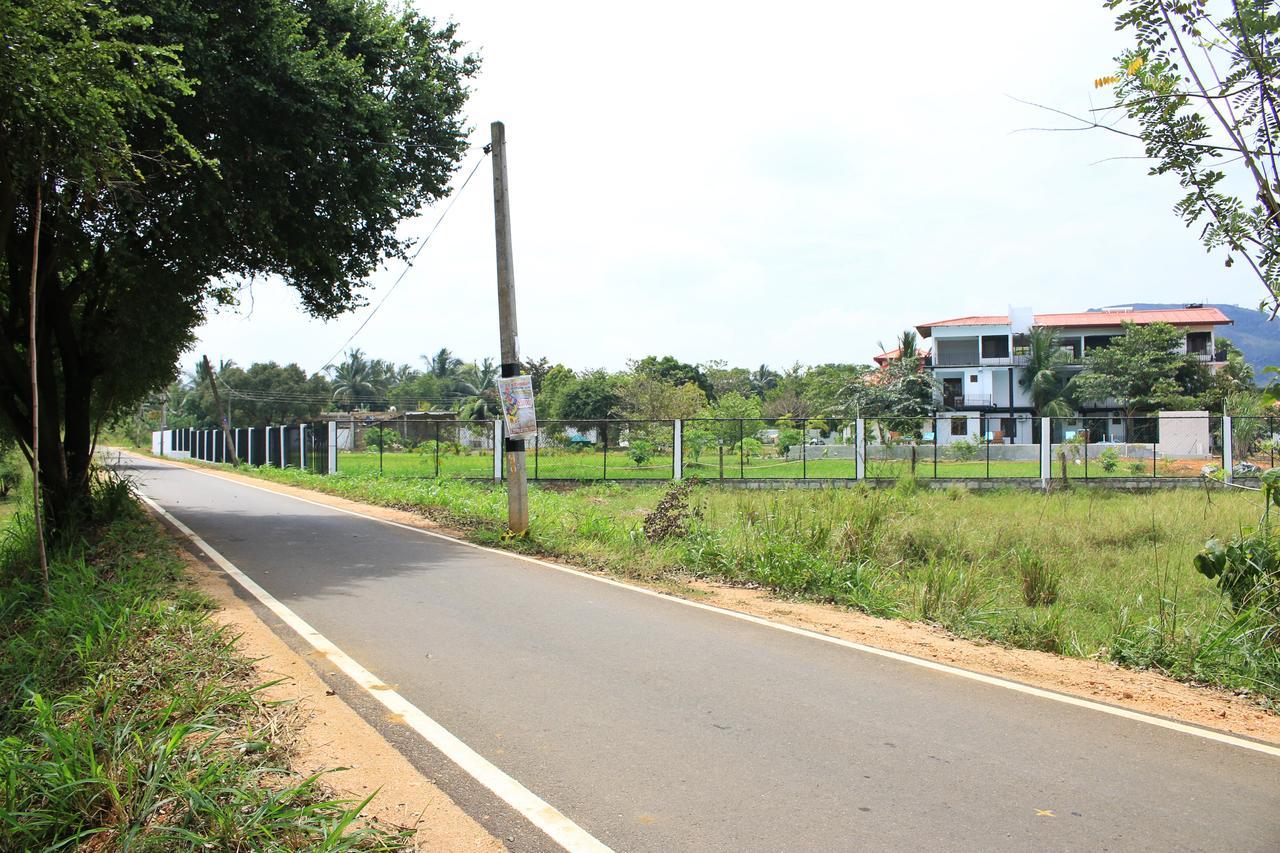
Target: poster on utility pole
516, 396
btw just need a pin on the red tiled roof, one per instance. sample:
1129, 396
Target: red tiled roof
1085, 319
885, 357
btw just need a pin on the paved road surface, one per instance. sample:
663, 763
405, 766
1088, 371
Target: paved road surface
657, 726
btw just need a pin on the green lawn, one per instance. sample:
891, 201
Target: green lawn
616, 465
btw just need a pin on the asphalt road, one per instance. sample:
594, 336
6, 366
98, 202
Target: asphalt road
657, 726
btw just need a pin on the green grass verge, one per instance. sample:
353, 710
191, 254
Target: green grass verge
1085, 572
127, 718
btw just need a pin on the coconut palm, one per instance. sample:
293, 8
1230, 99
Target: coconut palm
357, 379
1045, 376
478, 382
442, 365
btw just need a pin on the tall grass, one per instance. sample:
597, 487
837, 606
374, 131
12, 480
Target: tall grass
1087, 572
127, 719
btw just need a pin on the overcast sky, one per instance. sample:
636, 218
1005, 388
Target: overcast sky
765, 183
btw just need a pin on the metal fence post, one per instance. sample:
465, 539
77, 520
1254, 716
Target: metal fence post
604, 428
302, 447
986, 436
860, 449
935, 445
283, 447
677, 449
804, 449
742, 468
1046, 451
437, 450
1228, 455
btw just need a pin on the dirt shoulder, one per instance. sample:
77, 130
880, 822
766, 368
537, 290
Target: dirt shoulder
1147, 692
330, 734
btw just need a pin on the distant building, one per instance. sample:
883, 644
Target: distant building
979, 360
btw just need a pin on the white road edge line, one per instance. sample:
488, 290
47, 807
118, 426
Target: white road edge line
995, 681
537, 811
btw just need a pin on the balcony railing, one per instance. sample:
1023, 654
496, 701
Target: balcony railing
967, 401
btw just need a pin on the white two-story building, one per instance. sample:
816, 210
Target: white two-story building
978, 362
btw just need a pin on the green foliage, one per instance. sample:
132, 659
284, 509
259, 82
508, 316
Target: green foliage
1109, 459
1200, 84
639, 450
963, 449
1139, 370
673, 371
382, 439
1045, 376
181, 153
128, 719
738, 419
698, 440
789, 438
751, 448
13, 470
593, 396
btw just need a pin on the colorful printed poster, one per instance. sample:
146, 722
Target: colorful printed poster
515, 394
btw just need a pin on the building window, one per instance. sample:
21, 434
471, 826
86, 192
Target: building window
1009, 427
995, 346
1072, 345
973, 377
959, 426
1097, 341
1198, 343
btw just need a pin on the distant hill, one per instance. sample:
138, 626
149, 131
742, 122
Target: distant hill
1258, 338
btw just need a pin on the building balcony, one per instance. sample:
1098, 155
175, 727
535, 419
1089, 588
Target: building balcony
967, 401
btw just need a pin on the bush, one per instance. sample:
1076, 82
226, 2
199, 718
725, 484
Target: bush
963, 449
13, 470
640, 450
1109, 459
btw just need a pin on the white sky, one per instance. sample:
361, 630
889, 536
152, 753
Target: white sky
765, 183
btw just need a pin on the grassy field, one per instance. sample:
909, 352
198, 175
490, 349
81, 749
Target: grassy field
128, 720
1084, 572
597, 465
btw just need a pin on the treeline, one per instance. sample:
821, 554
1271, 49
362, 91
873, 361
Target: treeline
650, 388
1141, 371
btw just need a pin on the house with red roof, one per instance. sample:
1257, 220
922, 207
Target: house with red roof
978, 360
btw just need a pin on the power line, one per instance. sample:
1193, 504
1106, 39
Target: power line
409, 262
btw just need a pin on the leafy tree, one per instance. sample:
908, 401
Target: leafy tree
670, 369
178, 154
763, 380
1139, 370
264, 394
727, 380
640, 450
737, 418
537, 371
555, 384
646, 398
899, 396
593, 397
1045, 376
697, 440
1200, 85
789, 438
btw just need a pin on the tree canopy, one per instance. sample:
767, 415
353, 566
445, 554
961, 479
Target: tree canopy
1143, 370
180, 148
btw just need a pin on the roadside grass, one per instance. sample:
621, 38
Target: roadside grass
1081, 572
127, 718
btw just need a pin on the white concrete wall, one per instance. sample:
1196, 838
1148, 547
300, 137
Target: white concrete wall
1184, 434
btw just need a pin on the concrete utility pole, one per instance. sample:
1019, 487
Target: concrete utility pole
517, 484
223, 420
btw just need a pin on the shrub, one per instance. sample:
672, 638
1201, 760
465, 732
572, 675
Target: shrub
963, 449
1109, 459
956, 492
640, 450
789, 438
1038, 579
13, 469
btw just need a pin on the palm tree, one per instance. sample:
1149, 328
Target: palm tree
478, 382
442, 365
357, 379
1045, 376
764, 379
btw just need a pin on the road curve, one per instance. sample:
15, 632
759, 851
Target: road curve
657, 726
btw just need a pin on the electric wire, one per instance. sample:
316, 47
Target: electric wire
409, 261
